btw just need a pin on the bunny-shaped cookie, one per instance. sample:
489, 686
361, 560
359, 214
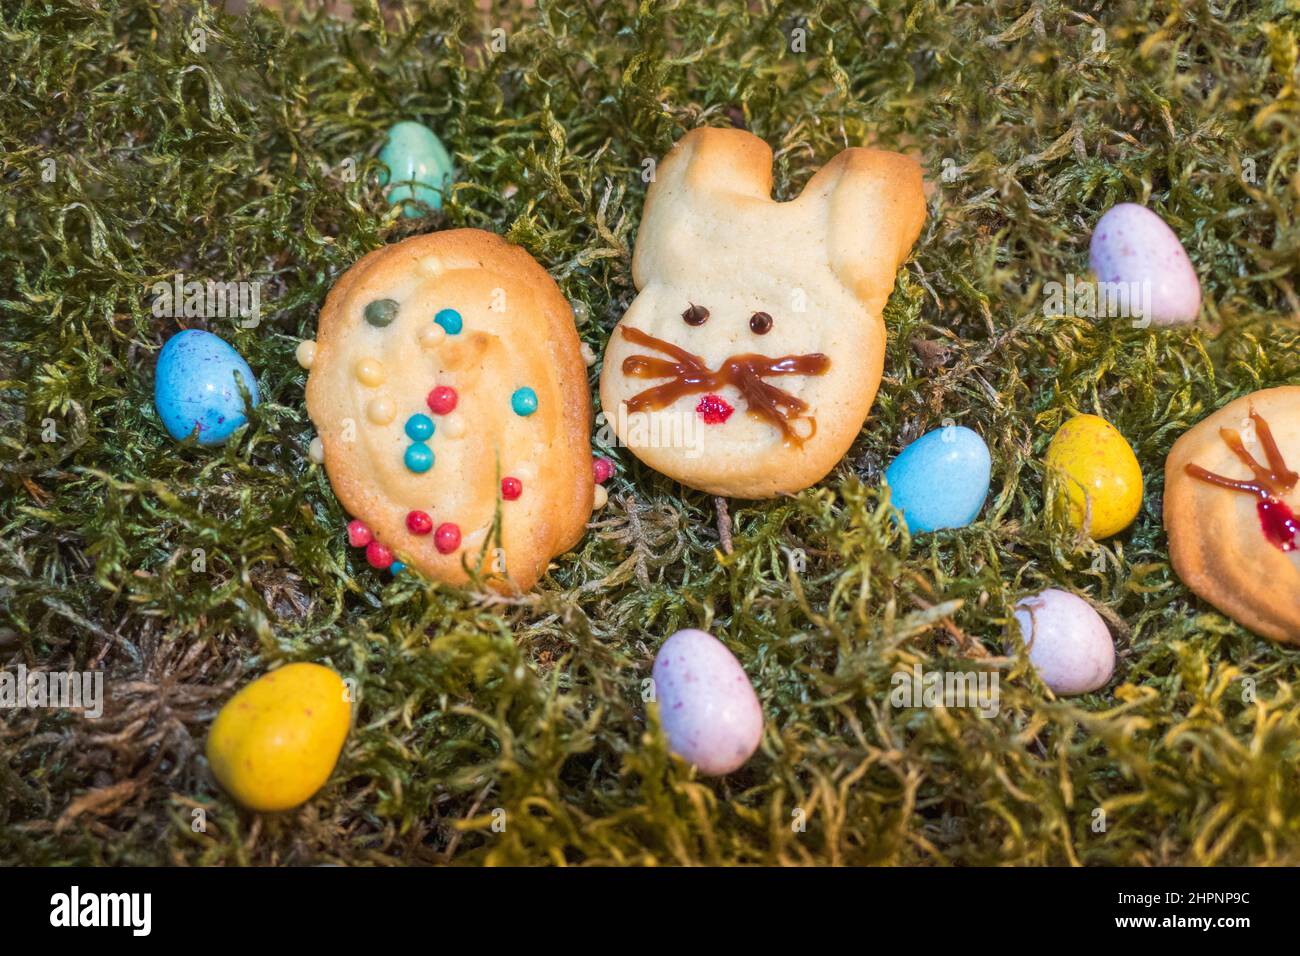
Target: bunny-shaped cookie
749, 360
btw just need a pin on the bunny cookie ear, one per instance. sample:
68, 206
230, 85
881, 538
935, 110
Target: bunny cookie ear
875, 208
708, 171
716, 161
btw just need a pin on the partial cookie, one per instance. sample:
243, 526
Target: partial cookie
1230, 502
750, 359
447, 384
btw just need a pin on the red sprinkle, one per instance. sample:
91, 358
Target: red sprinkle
378, 555
417, 522
358, 534
447, 538
714, 409
511, 488
1280, 524
442, 400
602, 468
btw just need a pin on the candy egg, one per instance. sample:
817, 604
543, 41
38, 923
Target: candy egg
275, 742
1069, 644
196, 385
417, 165
1134, 246
941, 479
1100, 473
707, 707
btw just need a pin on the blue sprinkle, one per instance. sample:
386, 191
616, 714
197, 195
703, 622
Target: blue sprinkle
397, 567
524, 401
419, 457
450, 320
419, 427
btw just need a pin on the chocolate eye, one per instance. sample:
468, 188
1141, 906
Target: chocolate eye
760, 323
695, 315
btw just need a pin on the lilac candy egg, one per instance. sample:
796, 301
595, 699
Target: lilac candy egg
1133, 246
1069, 644
707, 707
195, 387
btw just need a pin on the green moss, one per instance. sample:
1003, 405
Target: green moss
230, 164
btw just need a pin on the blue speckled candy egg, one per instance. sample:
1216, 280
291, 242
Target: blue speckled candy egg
1131, 244
418, 166
941, 479
195, 386
708, 710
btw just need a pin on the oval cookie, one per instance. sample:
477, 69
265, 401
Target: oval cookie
444, 365
1231, 498
749, 360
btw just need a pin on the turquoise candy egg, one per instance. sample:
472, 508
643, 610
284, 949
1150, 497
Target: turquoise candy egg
418, 166
195, 387
941, 479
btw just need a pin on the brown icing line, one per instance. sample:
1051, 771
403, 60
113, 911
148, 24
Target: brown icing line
745, 372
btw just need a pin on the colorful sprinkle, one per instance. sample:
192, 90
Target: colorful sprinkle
714, 409
316, 450
378, 555
397, 567
511, 488
599, 498
305, 353
358, 534
524, 401
419, 427
431, 336
447, 538
419, 457
442, 400
450, 320
369, 372
381, 312
602, 469
381, 411
417, 522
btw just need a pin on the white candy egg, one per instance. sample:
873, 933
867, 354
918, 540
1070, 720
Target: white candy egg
707, 706
1069, 644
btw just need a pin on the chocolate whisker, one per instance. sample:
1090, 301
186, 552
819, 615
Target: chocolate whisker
691, 375
1276, 519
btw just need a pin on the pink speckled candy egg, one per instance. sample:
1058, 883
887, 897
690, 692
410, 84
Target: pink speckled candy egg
707, 706
1131, 244
1069, 644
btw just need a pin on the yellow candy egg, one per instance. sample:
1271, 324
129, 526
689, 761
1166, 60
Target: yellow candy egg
1099, 471
275, 742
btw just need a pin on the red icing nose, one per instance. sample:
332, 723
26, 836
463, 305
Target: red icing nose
1280, 524
714, 409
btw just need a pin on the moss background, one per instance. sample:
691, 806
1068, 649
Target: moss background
229, 164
